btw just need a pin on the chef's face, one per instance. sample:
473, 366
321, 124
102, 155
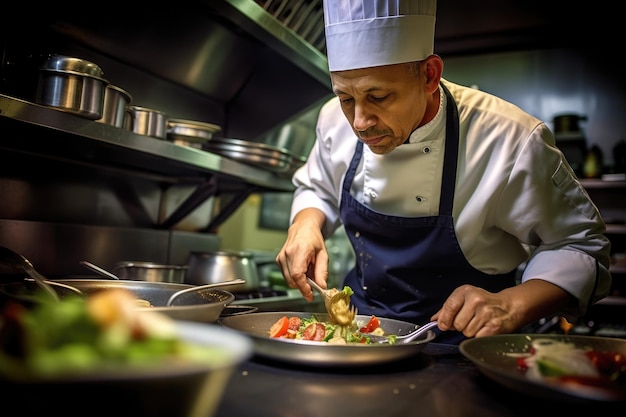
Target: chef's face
385, 104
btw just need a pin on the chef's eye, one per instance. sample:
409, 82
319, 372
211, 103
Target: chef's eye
379, 99
347, 100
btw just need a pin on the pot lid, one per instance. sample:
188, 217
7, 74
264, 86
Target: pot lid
67, 63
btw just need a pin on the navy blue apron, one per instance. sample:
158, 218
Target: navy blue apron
406, 267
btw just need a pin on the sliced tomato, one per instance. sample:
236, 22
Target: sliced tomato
371, 325
521, 364
314, 331
280, 328
294, 323
608, 363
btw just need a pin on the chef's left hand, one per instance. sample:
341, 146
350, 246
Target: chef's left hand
476, 312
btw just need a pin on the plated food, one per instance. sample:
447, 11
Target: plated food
554, 366
101, 356
104, 333
316, 353
317, 330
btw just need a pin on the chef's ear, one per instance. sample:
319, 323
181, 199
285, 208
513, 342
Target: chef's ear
433, 66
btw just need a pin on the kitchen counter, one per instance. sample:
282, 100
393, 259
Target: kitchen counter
438, 381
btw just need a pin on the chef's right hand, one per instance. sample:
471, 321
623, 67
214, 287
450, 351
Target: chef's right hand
304, 252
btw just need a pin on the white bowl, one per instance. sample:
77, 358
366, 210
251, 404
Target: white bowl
182, 390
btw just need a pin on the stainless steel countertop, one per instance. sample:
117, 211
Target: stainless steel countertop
437, 382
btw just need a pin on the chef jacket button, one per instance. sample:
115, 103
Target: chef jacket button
420, 199
357, 234
373, 194
426, 149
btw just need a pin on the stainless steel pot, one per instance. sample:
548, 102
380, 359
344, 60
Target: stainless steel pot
114, 111
219, 266
151, 272
149, 122
72, 85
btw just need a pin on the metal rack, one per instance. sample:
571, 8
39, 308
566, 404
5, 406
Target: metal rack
31, 129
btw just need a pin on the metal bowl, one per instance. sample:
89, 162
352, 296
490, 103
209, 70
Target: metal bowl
191, 130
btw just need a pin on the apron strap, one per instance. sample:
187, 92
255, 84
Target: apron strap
448, 180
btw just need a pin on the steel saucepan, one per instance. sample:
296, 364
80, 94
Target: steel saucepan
152, 272
204, 305
219, 266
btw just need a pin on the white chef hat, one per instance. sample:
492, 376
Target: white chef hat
370, 33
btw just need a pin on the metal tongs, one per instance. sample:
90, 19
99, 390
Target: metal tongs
337, 305
409, 337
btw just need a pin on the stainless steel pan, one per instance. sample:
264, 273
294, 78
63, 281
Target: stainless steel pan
201, 306
257, 325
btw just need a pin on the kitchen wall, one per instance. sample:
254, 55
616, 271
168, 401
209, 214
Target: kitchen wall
544, 82
549, 82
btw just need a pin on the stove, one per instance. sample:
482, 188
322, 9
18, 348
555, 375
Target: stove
278, 299
261, 293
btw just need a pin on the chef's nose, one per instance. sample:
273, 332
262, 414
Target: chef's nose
363, 118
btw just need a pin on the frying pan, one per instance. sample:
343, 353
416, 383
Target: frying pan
200, 306
304, 352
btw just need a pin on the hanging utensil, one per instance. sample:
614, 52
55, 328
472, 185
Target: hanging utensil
203, 287
99, 270
17, 262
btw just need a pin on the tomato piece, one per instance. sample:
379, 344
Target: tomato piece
279, 328
371, 325
521, 364
314, 331
608, 363
295, 323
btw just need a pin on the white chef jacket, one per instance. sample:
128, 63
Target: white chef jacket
516, 199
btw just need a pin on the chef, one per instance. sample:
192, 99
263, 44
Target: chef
444, 191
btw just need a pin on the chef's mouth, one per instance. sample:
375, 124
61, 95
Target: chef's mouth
372, 141
372, 137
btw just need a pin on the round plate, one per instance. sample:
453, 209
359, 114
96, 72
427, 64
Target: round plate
304, 352
496, 357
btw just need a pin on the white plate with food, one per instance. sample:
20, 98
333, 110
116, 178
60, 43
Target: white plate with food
553, 366
101, 356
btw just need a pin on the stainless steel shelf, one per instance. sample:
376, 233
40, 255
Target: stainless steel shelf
38, 131
88, 141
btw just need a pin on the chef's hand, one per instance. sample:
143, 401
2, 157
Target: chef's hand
476, 312
304, 252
